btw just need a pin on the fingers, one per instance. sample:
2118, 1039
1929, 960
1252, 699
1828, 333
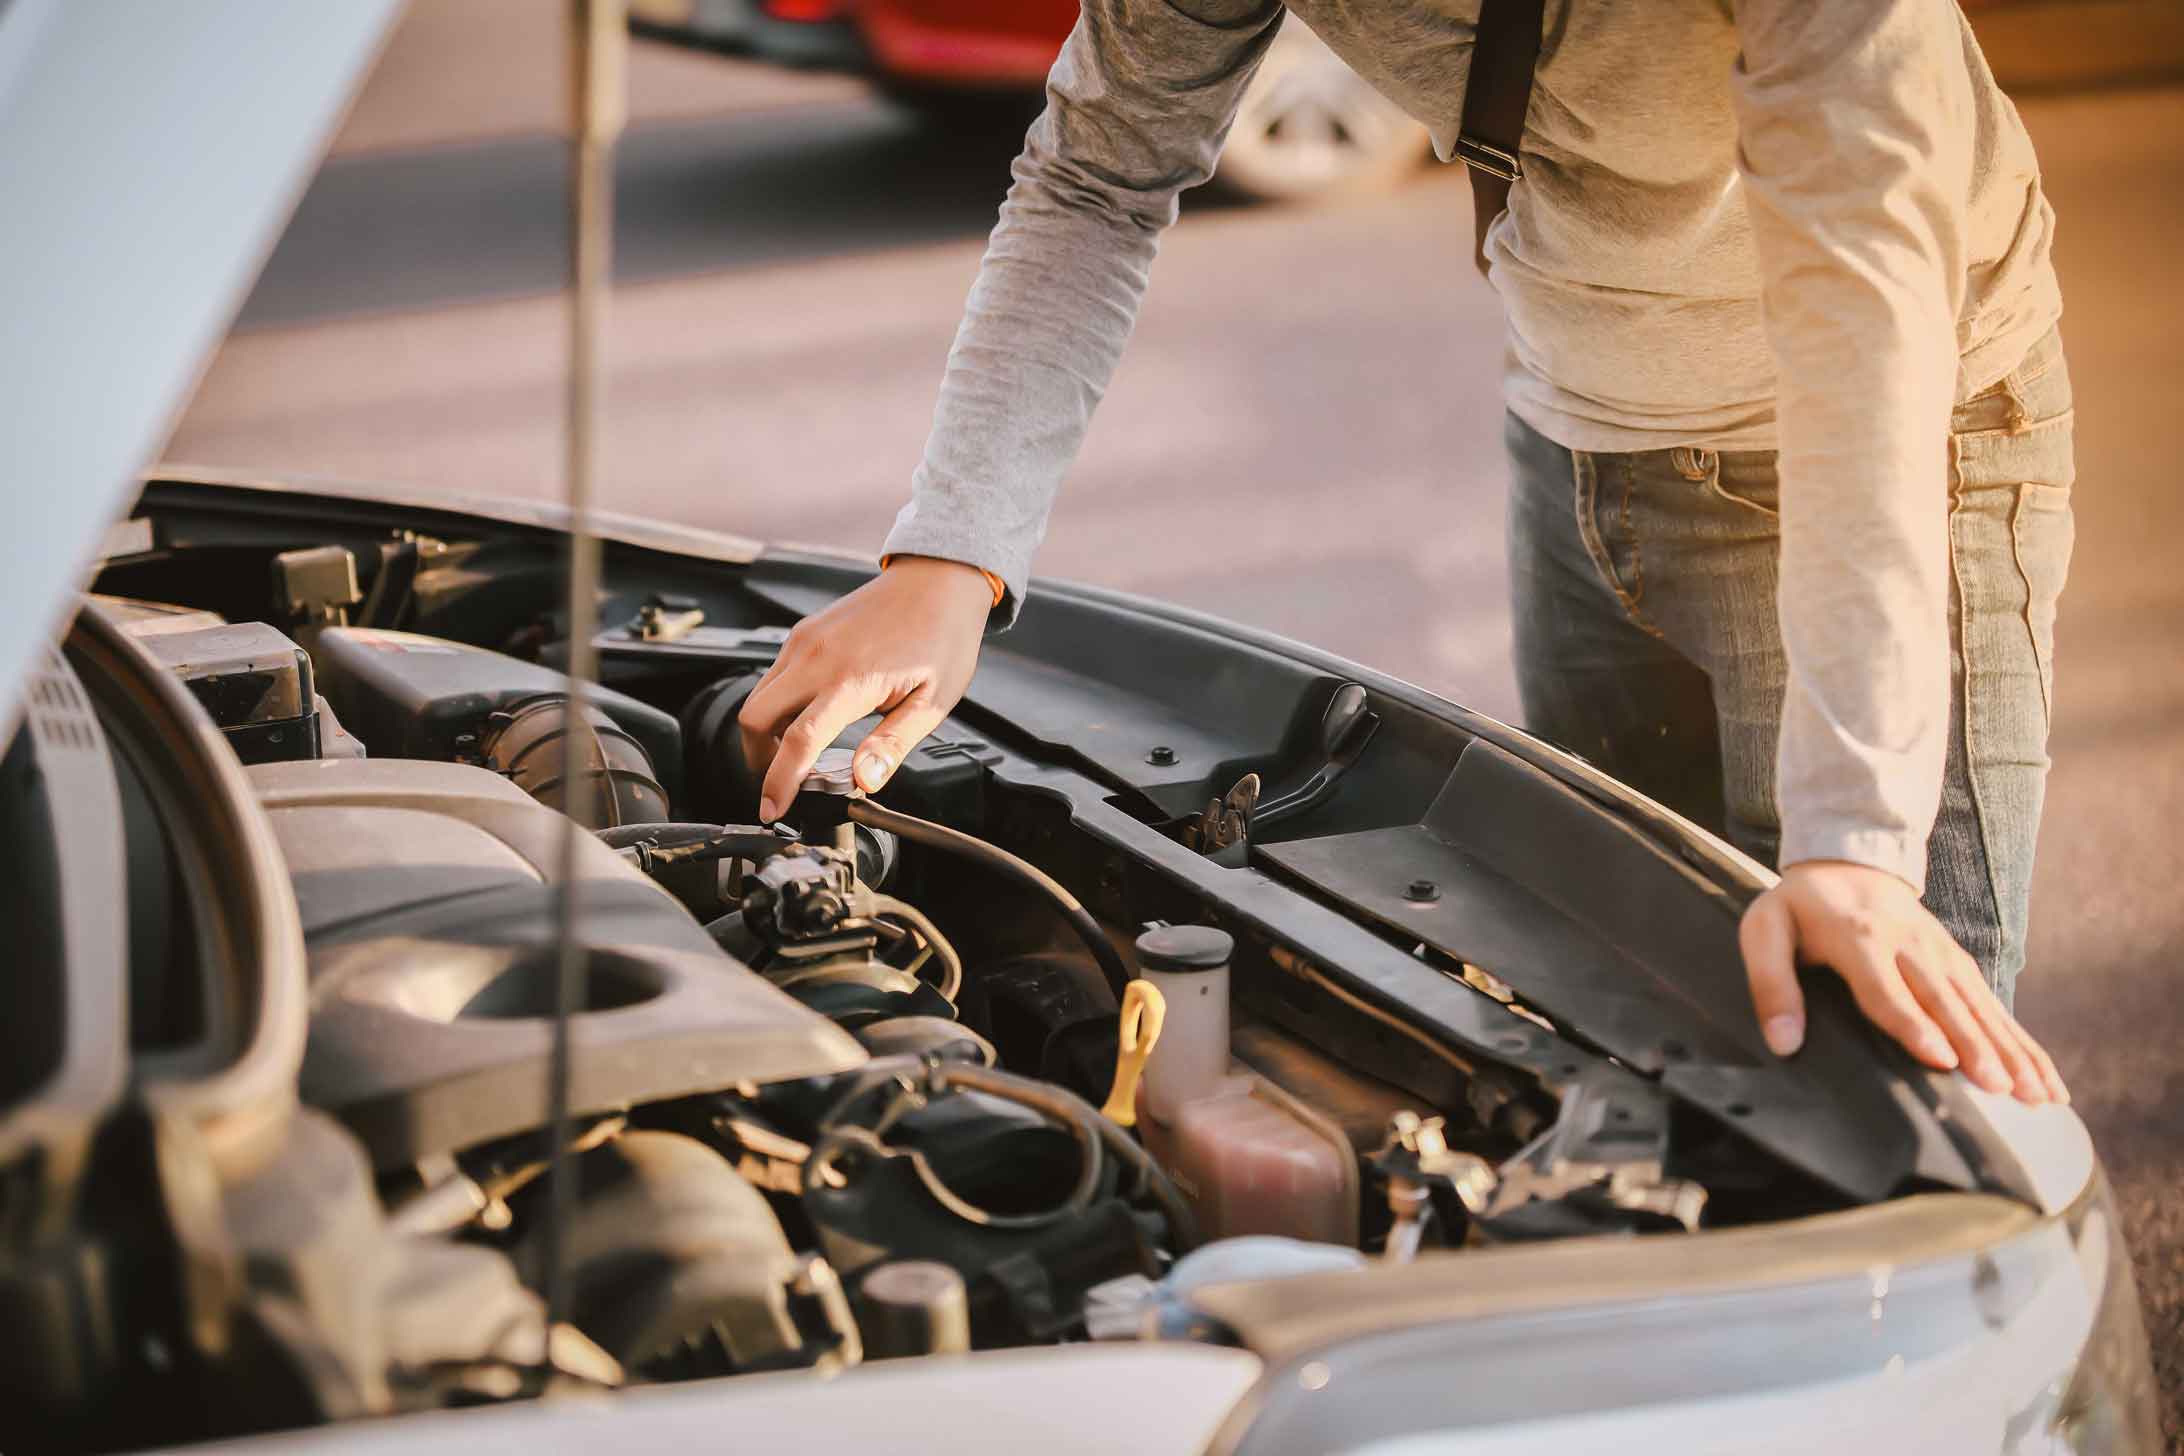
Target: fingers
885, 747
1908, 976
1768, 938
906, 639
2050, 1077
808, 736
1938, 992
769, 709
1877, 984
1997, 1053
2015, 1071
2031, 1072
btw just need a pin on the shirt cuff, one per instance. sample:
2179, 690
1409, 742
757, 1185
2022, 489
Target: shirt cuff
1883, 849
1000, 588
928, 533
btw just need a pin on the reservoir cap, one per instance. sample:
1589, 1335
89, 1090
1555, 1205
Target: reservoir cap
1184, 948
832, 773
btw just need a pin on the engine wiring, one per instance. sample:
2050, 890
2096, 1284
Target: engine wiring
955, 841
937, 945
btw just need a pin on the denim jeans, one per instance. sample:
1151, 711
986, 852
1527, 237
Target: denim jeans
1647, 642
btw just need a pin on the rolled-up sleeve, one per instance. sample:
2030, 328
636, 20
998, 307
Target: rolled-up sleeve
1854, 127
1138, 104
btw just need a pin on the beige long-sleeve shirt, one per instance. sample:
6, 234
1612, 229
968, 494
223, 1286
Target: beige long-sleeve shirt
1803, 225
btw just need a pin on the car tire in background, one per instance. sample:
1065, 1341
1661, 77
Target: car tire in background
1311, 129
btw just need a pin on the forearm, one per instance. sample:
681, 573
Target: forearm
1045, 324
1865, 719
1867, 372
1138, 104
1851, 127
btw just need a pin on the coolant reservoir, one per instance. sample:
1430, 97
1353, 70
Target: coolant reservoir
1190, 966
1250, 1158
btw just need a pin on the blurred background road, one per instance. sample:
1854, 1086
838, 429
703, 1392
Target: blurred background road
1303, 436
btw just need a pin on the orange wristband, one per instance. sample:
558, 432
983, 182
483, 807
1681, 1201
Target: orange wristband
1000, 588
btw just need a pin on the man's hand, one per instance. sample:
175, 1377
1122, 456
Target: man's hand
1908, 975
904, 643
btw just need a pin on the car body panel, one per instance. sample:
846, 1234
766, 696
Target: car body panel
1070, 1400
986, 43
2051, 1144
1909, 1348
541, 515
1946, 1323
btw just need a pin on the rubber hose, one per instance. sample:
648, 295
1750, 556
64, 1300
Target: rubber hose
667, 843
955, 841
1064, 1105
622, 836
1080, 1120
951, 964
746, 844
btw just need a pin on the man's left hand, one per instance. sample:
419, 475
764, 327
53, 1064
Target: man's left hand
1908, 975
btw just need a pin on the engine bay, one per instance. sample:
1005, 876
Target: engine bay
773, 1045
936, 1071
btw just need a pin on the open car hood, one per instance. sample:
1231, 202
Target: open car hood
150, 154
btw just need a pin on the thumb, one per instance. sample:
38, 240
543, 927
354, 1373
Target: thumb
891, 740
1768, 938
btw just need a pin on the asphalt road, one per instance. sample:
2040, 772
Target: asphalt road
1303, 436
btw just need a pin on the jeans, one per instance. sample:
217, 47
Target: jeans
1647, 641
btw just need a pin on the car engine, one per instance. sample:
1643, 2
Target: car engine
870, 1081
763, 1024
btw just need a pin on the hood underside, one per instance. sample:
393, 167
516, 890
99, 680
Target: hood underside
150, 154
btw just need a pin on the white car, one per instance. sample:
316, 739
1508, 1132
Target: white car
1456, 1134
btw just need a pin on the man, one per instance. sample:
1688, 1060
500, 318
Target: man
1789, 424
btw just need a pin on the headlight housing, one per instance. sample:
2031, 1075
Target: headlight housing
2110, 1407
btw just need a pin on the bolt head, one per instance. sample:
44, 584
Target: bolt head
1162, 756
1422, 892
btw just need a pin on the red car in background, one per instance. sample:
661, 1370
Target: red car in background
1308, 128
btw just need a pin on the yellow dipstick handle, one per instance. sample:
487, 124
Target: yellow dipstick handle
1143, 1011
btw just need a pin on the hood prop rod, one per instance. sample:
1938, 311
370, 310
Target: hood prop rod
598, 39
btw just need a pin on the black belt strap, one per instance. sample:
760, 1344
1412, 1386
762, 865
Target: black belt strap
1495, 100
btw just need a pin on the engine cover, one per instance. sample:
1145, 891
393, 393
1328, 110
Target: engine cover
427, 893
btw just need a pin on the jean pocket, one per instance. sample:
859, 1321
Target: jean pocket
2038, 454
2036, 395
2041, 381
1748, 479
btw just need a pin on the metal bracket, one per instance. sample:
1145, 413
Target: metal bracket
667, 619
1490, 159
1227, 820
1417, 1161
1611, 1142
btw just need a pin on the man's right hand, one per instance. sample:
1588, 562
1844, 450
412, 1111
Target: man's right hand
904, 643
